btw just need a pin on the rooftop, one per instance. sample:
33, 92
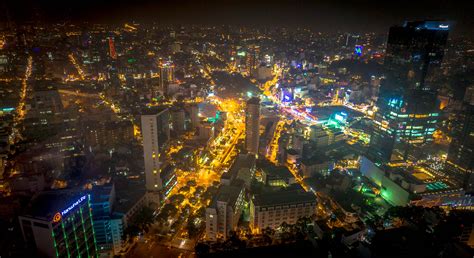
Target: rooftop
101, 193
128, 194
283, 197
242, 161
280, 172
46, 204
153, 110
228, 194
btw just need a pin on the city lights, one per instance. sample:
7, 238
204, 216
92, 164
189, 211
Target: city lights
137, 130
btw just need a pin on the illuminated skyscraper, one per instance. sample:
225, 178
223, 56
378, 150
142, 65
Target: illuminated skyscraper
155, 133
166, 73
46, 100
59, 224
252, 59
252, 125
112, 52
108, 226
407, 103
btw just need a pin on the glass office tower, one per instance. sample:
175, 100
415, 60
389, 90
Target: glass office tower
408, 109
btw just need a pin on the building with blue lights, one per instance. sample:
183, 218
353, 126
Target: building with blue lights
408, 109
108, 225
114, 205
358, 50
59, 224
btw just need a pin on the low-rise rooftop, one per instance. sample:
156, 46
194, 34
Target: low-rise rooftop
284, 197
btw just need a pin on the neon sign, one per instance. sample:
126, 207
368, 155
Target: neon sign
443, 26
57, 217
72, 206
358, 50
287, 95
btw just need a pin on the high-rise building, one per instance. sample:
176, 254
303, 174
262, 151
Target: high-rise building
243, 169
223, 215
177, 120
102, 135
407, 102
45, 105
112, 52
108, 227
114, 208
351, 40
156, 134
252, 59
252, 125
166, 73
193, 111
460, 160
59, 224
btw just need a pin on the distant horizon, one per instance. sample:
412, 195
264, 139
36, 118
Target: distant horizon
324, 16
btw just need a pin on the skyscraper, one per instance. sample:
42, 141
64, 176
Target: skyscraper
59, 224
46, 105
112, 52
156, 133
177, 120
252, 125
108, 226
193, 111
407, 104
166, 73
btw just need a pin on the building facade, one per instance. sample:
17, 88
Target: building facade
272, 209
156, 134
408, 109
223, 215
252, 125
460, 160
102, 135
108, 227
60, 224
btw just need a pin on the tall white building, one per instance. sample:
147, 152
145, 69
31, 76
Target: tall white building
252, 125
155, 133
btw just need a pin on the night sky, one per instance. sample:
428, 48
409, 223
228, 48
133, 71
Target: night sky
327, 15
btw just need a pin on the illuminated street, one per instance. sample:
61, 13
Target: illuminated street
80, 72
21, 108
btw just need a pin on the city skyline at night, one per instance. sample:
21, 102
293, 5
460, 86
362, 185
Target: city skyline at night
236, 129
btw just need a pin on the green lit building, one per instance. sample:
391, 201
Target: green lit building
408, 109
59, 224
